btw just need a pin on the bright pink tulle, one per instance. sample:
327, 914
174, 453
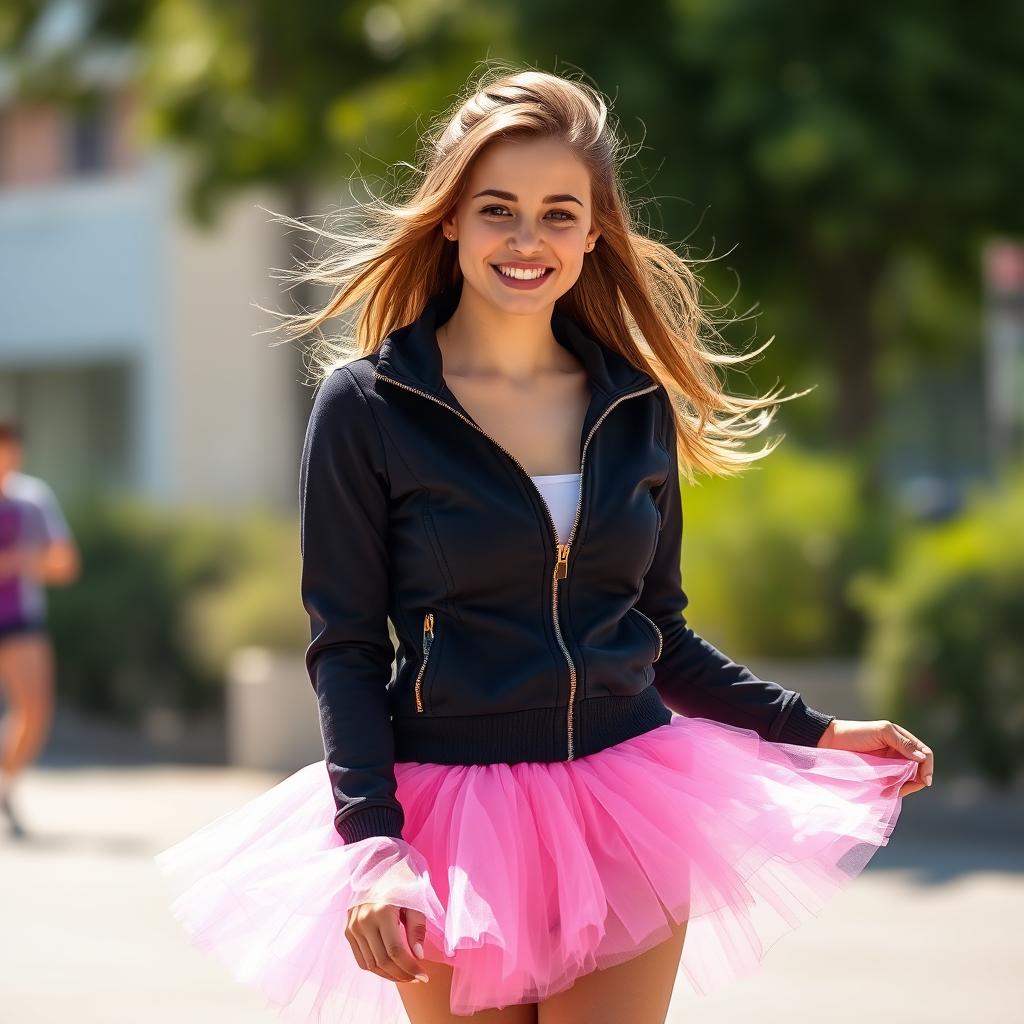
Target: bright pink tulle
532, 874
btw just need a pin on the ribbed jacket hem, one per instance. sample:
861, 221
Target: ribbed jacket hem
537, 734
376, 820
804, 725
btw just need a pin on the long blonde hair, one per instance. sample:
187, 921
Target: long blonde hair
635, 294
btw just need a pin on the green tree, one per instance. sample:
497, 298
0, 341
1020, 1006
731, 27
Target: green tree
827, 147
832, 146
260, 91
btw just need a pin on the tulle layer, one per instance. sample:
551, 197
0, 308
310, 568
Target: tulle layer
532, 874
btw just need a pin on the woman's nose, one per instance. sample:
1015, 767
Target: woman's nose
526, 243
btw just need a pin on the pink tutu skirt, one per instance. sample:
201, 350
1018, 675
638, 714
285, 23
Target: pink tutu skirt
533, 874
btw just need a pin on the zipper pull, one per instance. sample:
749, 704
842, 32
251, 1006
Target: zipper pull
428, 625
562, 565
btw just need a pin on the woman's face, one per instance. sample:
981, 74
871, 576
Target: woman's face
526, 205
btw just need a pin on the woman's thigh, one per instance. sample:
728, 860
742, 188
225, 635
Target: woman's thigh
638, 990
430, 1003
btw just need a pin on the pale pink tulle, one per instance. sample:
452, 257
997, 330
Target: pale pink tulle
532, 874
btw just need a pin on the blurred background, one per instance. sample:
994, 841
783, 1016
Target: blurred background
847, 181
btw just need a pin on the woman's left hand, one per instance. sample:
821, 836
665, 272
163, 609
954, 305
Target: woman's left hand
883, 739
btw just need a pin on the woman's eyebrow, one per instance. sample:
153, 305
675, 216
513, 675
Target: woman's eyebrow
513, 198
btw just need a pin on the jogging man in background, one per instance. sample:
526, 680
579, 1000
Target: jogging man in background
36, 549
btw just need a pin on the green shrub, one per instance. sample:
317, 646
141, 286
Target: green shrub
259, 602
945, 655
767, 555
163, 598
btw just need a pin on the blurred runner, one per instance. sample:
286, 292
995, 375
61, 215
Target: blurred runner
36, 549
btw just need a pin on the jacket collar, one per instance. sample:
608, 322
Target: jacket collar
412, 356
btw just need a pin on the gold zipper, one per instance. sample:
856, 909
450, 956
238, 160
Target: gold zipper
561, 569
428, 640
657, 631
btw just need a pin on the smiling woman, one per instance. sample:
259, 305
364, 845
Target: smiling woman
516, 817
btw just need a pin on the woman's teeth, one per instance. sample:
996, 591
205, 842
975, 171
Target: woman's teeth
522, 275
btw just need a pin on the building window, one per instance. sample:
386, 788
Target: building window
88, 149
43, 143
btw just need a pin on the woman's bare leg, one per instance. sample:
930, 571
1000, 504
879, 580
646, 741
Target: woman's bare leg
638, 990
430, 1003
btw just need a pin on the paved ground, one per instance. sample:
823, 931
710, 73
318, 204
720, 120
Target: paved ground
929, 933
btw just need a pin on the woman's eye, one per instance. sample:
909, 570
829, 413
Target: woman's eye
566, 216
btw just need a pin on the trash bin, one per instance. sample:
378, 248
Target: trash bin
272, 717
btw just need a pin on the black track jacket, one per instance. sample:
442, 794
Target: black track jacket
511, 647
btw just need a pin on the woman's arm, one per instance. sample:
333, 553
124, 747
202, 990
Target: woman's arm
343, 487
692, 676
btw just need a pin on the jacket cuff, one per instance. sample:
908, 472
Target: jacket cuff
377, 820
804, 725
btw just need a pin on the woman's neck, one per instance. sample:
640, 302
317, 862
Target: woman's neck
481, 341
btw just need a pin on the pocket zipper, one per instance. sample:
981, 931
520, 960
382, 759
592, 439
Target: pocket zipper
428, 640
657, 538
654, 626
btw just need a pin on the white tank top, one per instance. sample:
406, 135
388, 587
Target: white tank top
561, 492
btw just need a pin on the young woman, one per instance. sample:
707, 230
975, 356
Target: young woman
516, 826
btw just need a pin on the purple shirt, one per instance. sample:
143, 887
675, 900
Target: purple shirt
30, 517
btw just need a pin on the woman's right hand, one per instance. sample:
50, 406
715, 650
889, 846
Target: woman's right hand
387, 885
374, 932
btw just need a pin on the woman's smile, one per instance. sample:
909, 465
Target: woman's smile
522, 275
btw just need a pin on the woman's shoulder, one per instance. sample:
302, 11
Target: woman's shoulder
348, 382
343, 400
361, 368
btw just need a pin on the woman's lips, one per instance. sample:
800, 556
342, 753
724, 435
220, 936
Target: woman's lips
515, 282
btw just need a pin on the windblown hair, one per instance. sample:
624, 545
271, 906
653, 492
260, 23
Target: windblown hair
635, 294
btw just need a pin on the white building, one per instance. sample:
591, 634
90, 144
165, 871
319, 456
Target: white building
129, 344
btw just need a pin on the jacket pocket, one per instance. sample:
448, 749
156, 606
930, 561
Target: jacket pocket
654, 627
428, 643
657, 539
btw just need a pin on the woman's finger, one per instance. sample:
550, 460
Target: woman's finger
361, 932
916, 750
902, 729
393, 936
377, 955
894, 753
900, 739
910, 787
361, 952
383, 948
